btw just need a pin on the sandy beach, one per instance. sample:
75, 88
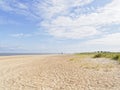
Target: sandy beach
58, 72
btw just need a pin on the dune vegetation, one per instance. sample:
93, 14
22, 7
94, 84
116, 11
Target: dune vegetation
101, 54
111, 55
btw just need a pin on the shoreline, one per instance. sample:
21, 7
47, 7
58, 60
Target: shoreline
21, 54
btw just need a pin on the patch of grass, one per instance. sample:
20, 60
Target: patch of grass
119, 60
97, 55
116, 57
72, 59
96, 66
85, 55
101, 54
113, 56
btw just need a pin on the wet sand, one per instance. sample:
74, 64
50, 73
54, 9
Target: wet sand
58, 72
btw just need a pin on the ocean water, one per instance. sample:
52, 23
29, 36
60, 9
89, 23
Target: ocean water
12, 54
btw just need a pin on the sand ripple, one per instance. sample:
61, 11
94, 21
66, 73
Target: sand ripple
58, 72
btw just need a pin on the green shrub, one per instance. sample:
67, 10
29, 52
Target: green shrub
100, 54
116, 57
97, 55
119, 60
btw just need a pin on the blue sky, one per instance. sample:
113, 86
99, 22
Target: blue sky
55, 26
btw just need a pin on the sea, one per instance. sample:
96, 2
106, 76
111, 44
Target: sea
13, 54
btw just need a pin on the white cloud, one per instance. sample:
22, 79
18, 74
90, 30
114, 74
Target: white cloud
72, 32
7, 48
108, 40
109, 14
5, 6
20, 35
16, 7
84, 25
52, 8
22, 6
59, 21
60, 24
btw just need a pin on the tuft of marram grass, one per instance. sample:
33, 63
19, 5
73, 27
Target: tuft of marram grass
116, 57
97, 55
113, 56
72, 59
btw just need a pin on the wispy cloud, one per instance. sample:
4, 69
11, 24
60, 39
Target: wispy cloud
64, 18
7, 48
18, 7
4, 20
62, 24
108, 40
20, 35
53, 8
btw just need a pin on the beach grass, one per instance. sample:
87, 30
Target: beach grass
111, 55
85, 55
101, 54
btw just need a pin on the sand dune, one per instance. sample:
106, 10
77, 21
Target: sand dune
58, 72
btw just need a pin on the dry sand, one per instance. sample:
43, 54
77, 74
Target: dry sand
58, 72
